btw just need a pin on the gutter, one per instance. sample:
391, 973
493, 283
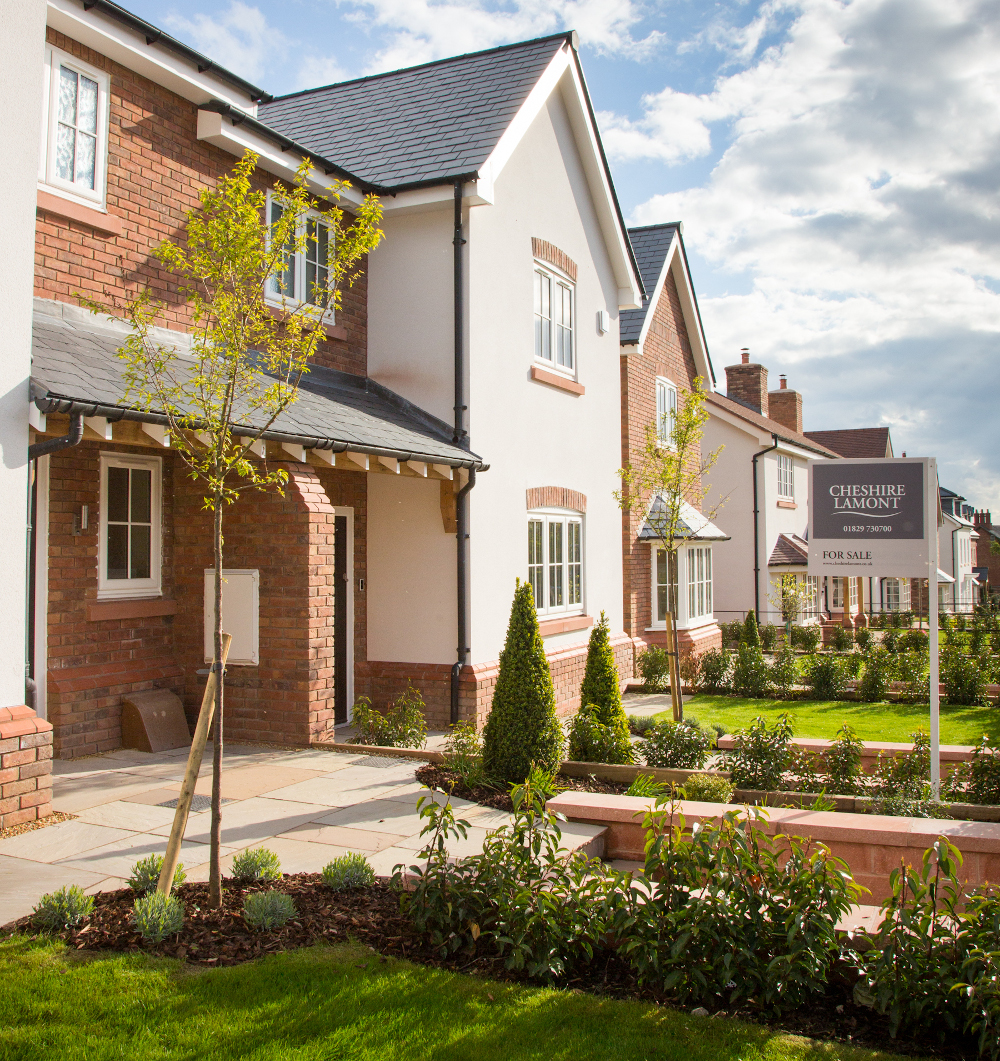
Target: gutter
756, 535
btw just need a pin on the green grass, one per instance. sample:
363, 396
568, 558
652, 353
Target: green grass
822, 718
319, 1003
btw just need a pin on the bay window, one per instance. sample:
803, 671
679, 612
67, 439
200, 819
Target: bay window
554, 319
693, 593
699, 582
555, 561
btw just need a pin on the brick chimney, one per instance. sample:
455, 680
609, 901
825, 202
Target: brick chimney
747, 383
786, 407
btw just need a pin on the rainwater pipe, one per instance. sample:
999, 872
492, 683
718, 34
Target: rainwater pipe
756, 534
40, 449
461, 438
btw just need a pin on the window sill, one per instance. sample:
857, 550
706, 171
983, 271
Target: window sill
104, 223
548, 627
130, 609
787, 504
553, 379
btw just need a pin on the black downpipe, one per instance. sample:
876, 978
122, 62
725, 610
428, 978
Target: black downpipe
461, 438
756, 521
39, 449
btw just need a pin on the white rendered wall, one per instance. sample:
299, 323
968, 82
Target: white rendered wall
411, 573
532, 434
20, 130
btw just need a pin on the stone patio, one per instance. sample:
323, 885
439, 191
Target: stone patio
308, 806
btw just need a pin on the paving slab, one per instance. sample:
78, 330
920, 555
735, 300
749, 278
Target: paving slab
82, 793
250, 822
349, 839
117, 859
377, 815
23, 883
56, 842
140, 817
244, 782
153, 796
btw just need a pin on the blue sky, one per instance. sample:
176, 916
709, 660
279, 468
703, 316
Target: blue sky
835, 163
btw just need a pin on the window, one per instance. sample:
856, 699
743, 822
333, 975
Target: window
699, 582
553, 319
129, 550
813, 603
786, 479
897, 594
555, 561
854, 592
660, 586
305, 276
838, 593
75, 144
666, 410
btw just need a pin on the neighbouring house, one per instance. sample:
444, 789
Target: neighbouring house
663, 351
987, 551
958, 583
855, 442
488, 314
762, 476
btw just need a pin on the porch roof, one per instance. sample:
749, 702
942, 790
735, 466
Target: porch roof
75, 368
789, 551
692, 525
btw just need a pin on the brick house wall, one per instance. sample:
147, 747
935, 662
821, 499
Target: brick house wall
666, 352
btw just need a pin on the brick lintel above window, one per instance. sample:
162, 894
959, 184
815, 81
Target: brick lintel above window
546, 252
555, 497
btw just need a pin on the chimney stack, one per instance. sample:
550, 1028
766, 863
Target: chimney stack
747, 383
786, 407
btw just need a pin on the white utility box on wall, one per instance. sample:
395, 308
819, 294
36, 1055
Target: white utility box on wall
240, 610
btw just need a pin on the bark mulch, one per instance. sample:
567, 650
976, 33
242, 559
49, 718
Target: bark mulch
444, 780
372, 916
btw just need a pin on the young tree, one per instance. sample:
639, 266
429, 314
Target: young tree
792, 597
247, 354
665, 475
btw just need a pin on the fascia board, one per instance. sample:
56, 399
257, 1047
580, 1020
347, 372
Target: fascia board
692, 318
654, 296
129, 48
219, 130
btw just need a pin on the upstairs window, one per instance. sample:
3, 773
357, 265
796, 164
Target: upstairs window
554, 319
304, 276
786, 478
129, 549
666, 411
75, 147
555, 561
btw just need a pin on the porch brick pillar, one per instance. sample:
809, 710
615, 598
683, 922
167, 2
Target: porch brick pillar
25, 766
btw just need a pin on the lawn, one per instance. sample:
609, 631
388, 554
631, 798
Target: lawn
822, 718
338, 1003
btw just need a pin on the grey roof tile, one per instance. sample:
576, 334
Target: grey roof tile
650, 245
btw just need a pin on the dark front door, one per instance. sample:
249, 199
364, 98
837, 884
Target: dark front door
341, 577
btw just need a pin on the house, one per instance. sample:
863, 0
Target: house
663, 352
762, 479
487, 316
987, 551
959, 589
855, 442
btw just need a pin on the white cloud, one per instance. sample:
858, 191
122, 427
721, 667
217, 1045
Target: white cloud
239, 38
857, 188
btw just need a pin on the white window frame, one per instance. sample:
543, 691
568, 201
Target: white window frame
566, 567
120, 588
786, 477
557, 281
814, 586
47, 175
294, 300
699, 582
836, 594
686, 619
666, 411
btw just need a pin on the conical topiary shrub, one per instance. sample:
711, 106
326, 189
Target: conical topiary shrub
522, 728
600, 679
751, 631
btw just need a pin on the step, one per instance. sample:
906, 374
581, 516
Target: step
579, 836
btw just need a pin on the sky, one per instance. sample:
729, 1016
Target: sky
835, 164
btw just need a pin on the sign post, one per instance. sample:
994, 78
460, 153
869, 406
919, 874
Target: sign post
880, 517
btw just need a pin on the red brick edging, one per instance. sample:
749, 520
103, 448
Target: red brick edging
25, 766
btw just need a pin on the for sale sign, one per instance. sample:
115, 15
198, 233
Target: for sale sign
870, 517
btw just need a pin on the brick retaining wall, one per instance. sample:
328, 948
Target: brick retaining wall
25, 766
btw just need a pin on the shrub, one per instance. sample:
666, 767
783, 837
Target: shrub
256, 864
591, 741
146, 875
403, 725
732, 633
640, 724
864, 638
977, 781
802, 774
852, 662
876, 620
708, 788
522, 727
768, 637
157, 916
880, 668
654, 666
977, 639
914, 641
690, 669
761, 755
601, 687
960, 622
963, 679
904, 776
348, 871
751, 674
890, 641
266, 911
64, 908
841, 639
463, 753
713, 670
825, 677
783, 672
676, 745
807, 637
843, 762
751, 631
646, 786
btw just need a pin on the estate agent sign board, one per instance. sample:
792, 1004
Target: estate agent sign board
878, 518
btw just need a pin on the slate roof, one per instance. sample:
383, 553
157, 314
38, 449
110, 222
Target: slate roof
650, 245
789, 550
855, 441
423, 124
692, 525
74, 360
766, 424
